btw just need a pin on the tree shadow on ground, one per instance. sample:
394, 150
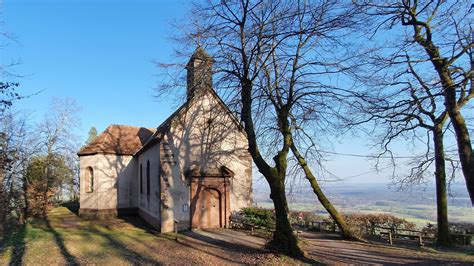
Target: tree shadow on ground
71, 260
128, 254
16, 241
234, 247
332, 248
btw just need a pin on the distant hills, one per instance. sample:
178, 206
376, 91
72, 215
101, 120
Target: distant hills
417, 204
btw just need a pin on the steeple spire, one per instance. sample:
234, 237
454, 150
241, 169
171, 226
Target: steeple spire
199, 76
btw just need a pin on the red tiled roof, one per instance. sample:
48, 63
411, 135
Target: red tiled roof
118, 139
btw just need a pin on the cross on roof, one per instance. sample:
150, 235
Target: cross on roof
197, 35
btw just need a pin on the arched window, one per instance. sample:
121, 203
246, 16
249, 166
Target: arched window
89, 179
141, 179
148, 178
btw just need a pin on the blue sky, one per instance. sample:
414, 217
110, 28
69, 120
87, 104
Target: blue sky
100, 53
97, 52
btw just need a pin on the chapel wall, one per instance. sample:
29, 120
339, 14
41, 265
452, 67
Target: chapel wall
112, 175
204, 136
148, 205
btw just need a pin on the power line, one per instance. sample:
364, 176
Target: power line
371, 156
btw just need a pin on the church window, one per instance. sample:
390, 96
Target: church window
148, 179
141, 179
89, 179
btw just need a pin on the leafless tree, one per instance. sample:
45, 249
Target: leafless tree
296, 81
18, 145
436, 40
417, 65
56, 138
274, 64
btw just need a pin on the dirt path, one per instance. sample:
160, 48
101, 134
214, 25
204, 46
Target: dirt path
331, 250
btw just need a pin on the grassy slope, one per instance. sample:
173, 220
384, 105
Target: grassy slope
65, 239
59, 240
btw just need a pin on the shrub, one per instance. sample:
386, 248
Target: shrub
304, 218
454, 228
255, 216
363, 224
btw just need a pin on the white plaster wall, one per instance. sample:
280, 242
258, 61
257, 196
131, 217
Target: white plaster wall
204, 135
150, 205
112, 179
175, 191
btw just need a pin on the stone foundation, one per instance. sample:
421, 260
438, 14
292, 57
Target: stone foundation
98, 214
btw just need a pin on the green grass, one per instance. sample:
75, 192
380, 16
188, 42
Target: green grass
64, 238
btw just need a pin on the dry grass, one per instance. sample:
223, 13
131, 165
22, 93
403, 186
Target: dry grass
66, 239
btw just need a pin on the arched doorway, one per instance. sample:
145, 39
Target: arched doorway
210, 203
210, 198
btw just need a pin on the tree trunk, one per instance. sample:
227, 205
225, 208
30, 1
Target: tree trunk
283, 240
25, 197
465, 153
335, 215
2, 212
463, 141
441, 193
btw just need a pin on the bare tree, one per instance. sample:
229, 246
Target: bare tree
18, 144
274, 59
409, 107
57, 140
418, 64
436, 40
296, 81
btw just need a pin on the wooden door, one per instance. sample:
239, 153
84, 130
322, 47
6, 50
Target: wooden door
210, 208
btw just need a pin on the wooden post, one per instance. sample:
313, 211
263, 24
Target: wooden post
390, 238
420, 241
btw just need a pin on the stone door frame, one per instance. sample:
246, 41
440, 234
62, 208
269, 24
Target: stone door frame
219, 182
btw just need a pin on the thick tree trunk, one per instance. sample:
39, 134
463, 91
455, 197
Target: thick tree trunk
441, 192
283, 240
463, 140
465, 152
335, 215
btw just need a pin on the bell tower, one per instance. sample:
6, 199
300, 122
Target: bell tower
199, 72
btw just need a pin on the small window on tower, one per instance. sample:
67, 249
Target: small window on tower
89, 180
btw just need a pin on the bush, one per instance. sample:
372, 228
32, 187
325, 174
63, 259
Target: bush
304, 218
363, 224
454, 228
254, 216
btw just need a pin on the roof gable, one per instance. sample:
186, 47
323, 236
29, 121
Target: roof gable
166, 125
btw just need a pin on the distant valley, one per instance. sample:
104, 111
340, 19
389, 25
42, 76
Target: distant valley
416, 205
